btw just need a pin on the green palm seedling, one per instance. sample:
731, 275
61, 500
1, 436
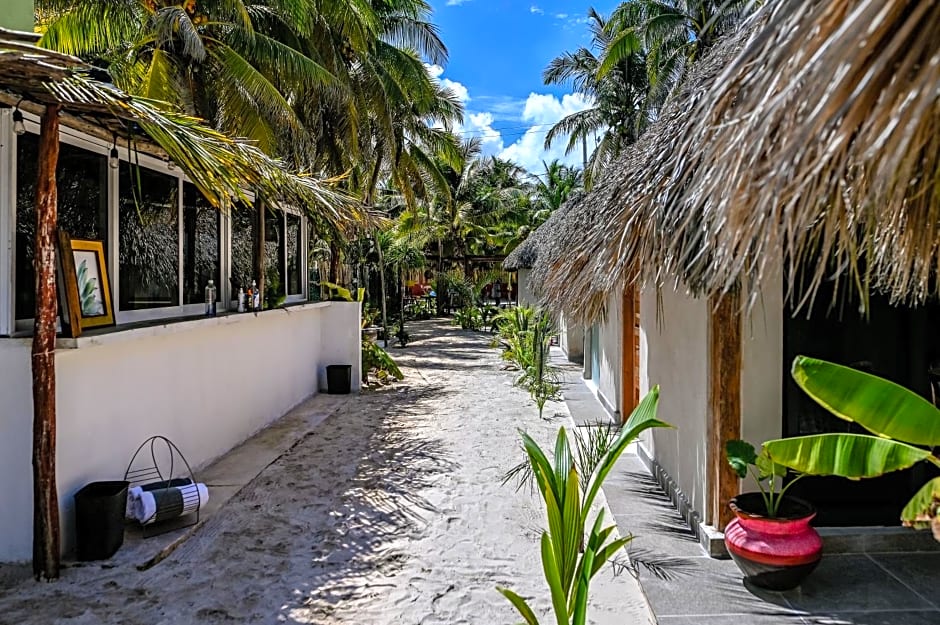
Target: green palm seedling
570, 562
539, 376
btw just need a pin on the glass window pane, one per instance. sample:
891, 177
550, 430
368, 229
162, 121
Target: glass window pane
81, 181
201, 222
243, 218
292, 240
273, 257
149, 231
318, 256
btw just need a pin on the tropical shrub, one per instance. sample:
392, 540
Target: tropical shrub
378, 363
468, 318
402, 335
569, 562
905, 429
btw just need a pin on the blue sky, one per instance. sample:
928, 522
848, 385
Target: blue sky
498, 50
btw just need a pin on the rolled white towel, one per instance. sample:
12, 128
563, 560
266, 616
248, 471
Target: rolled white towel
195, 496
133, 495
145, 510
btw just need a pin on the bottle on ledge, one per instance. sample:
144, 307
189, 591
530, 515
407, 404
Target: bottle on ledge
255, 297
210, 299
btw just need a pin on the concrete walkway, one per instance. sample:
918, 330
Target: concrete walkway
386, 508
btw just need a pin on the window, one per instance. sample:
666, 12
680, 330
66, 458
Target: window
81, 182
201, 223
243, 218
273, 257
292, 240
148, 209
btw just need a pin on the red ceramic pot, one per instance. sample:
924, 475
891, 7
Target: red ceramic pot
774, 553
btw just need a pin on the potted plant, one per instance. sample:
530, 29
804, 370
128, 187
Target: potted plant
905, 430
770, 538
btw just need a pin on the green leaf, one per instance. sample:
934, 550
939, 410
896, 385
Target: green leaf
854, 456
878, 405
572, 528
919, 511
553, 577
740, 454
521, 606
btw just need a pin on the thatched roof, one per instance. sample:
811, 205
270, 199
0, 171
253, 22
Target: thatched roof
221, 167
818, 136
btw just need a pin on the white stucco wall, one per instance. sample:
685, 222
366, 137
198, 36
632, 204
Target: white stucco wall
674, 355
571, 339
610, 341
762, 367
526, 295
206, 385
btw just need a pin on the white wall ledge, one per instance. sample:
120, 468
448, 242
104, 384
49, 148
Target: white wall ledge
141, 330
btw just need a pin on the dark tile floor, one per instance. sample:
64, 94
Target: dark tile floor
686, 587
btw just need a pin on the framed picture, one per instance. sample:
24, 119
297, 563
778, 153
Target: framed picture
87, 291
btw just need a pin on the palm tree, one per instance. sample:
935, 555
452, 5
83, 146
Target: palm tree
235, 64
674, 34
618, 114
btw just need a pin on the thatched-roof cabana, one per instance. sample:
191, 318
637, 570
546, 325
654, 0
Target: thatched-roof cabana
812, 133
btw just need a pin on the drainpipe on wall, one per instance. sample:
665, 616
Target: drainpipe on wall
587, 373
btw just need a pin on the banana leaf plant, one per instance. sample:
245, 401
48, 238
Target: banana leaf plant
569, 562
905, 430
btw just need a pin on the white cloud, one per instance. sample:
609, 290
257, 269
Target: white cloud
536, 10
436, 71
455, 3
543, 111
531, 118
561, 16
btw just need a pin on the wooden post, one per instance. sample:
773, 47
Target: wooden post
724, 391
629, 369
45, 495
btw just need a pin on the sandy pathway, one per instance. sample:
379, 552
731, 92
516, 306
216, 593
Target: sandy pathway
390, 511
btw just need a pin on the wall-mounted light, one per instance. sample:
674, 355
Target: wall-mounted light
18, 126
113, 158
170, 165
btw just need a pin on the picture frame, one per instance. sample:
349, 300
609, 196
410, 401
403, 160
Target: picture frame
85, 290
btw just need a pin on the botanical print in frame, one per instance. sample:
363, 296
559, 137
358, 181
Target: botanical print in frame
88, 290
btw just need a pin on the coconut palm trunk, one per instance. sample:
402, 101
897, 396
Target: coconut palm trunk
45, 495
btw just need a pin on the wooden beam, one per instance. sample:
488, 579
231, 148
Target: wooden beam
630, 362
45, 495
724, 394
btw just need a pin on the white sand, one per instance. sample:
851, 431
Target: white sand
391, 511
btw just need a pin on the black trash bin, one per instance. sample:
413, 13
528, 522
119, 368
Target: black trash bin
338, 379
99, 519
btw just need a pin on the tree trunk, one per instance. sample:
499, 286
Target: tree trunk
378, 246
334, 262
45, 496
401, 297
259, 251
441, 287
